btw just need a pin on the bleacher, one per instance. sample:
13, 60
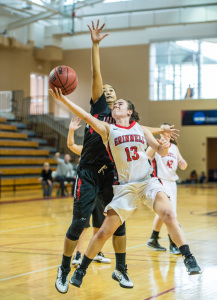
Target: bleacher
22, 155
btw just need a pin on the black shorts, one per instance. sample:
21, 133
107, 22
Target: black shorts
90, 184
97, 214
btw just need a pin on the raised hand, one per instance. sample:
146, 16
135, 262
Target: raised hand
74, 125
96, 33
164, 143
57, 94
171, 132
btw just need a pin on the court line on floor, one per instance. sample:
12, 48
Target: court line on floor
29, 273
30, 227
36, 271
160, 294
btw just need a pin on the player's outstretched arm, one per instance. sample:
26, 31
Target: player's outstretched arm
170, 132
100, 127
181, 162
74, 125
150, 152
159, 146
96, 37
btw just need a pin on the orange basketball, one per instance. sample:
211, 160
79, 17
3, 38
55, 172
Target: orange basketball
63, 77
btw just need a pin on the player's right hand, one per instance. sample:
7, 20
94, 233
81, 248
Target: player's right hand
74, 125
96, 33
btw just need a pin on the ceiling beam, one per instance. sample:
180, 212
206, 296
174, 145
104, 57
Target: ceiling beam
32, 19
79, 5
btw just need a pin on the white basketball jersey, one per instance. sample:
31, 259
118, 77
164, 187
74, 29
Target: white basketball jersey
126, 147
166, 166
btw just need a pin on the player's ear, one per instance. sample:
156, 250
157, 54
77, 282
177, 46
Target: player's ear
129, 113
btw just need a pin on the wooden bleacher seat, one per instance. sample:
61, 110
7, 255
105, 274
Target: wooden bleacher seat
14, 143
26, 152
3, 120
13, 135
26, 161
8, 127
23, 171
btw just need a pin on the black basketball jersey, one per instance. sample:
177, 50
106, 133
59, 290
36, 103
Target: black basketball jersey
94, 151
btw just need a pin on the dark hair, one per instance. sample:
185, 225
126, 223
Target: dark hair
135, 115
171, 141
111, 86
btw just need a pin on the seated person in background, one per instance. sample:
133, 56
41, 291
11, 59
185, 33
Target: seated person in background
202, 177
193, 177
65, 172
46, 180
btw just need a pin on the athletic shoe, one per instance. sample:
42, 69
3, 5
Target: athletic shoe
153, 243
62, 280
122, 277
101, 258
191, 265
77, 259
174, 249
77, 277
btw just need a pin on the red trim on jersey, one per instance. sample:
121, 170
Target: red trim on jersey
131, 125
154, 165
78, 188
109, 153
91, 129
170, 145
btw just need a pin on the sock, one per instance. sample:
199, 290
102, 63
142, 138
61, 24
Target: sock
171, 241
85, 262
185, 250
66, 261
155, 235
120, 260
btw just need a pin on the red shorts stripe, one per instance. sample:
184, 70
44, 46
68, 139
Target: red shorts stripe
78, 188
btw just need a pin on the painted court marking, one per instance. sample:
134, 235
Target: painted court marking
160, 294
36, 271
30, 227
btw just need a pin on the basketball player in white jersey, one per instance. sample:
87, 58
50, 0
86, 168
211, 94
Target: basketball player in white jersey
165, 169
126, 143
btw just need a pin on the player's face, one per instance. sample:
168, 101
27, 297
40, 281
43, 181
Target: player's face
120, 109
67, 158
165, 127
110, 94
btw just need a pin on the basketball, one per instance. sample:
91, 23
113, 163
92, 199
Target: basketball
63, 77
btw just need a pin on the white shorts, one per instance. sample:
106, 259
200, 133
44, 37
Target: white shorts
127, 195
171, 189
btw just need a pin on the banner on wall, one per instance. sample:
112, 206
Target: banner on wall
199, 117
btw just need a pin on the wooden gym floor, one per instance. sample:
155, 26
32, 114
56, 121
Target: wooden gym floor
31, 239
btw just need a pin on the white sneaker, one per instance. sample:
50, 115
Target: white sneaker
62, 284
77, 259
100, 258
123, 278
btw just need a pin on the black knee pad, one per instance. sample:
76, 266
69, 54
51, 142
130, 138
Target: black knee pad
76, 228
121, 231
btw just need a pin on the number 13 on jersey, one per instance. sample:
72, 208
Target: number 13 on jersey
135, 155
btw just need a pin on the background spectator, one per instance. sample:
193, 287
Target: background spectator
65, 172
202, 177
46, 180
193, 177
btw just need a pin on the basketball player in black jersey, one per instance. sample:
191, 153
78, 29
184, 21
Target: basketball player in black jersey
96, 174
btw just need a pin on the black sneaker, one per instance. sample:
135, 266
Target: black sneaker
62, 280
153, 243
77, 277
77, 259
191, 265
122, 277
174, 249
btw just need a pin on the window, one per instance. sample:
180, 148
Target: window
183, 70
39, 94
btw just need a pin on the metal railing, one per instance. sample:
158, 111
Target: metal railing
46, 125
5, 101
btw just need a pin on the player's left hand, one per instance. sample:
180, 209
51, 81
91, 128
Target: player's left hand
164, 143
57, 94
171, 132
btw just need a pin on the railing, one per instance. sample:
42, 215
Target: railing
5, 101
46, 125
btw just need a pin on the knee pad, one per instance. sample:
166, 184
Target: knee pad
76, 228
121, 231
